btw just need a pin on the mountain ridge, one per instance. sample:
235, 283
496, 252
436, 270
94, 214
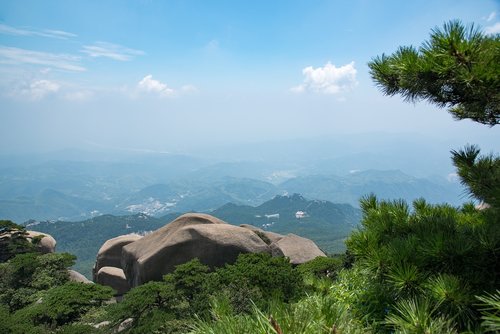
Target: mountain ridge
83, 195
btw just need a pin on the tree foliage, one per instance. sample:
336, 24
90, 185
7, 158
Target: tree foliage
481, 174
428, 259
491, 308
25, 275
322, 266
13, 240
66, 303
457, 68
259, 278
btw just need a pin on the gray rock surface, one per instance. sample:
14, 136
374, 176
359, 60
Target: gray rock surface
114, 278
75, 276
110, 253
125, 324
211, 240
46, 245
273, 237
297, 249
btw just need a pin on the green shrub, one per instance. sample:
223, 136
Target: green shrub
190, 282
64, 304
13, 240
322, 267
490, 308
443, 254
23, 276
258, 278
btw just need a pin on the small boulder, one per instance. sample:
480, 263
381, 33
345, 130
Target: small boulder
75, 276
211, 240
47, 243
297, 249
110, 253
114, 278
125, 324
102, 324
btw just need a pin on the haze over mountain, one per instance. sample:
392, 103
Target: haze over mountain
75, 184
171, 108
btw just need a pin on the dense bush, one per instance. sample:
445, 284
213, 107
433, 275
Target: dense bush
65, 304
23, 277
36, 295
258, 278
13, 240
439, 253
322, 266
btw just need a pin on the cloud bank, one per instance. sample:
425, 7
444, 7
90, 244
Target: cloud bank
36, 89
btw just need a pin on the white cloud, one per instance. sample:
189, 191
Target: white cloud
58, 34
494, 29
150, 85
11, 55
9, 30
153, 86
491, 17
36, 89
112, 51
328, 79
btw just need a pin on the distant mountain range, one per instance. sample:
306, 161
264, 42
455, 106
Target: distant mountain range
388, 184
326, 223
72, 191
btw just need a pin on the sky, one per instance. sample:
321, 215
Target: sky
178, 75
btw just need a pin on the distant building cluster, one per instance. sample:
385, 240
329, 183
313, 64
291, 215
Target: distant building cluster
300, 214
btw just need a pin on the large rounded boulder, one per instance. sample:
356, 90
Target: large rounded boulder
110, 253
299, 250
45, 243
211, 240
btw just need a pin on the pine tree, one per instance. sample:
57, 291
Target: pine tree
457, 68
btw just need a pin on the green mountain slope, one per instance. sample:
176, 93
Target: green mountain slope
324, 222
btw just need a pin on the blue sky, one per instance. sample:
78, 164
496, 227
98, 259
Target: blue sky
168, 75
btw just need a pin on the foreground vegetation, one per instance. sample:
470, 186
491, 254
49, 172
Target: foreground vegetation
420, 269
